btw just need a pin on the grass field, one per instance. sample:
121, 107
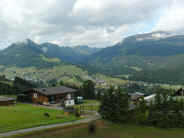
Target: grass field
26, 116
106, 130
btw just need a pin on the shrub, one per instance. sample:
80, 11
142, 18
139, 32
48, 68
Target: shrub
46, 115
77, 112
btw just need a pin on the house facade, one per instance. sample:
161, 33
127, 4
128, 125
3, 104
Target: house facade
55, 95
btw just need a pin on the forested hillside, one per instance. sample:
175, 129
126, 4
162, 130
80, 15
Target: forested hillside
17, 86
155, 57
46, 62
152, 57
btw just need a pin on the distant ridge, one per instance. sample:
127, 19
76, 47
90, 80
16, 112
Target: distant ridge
156, 56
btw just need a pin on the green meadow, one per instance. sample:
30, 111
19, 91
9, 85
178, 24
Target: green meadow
26, 116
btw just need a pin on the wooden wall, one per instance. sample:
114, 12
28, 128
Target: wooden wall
45, 99
59, 97
7, 103
39, 99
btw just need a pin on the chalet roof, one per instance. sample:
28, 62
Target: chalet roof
136, 95
139, 93
150, 98
2, 99
55, 90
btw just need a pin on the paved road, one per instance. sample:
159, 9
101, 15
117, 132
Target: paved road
46, 127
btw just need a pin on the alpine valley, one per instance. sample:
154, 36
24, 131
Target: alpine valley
155, 57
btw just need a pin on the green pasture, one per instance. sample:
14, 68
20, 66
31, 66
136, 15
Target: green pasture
26, 116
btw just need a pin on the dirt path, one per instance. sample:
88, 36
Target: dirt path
47, 126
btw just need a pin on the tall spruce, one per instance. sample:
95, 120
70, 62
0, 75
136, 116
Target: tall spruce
89, 89
114, 105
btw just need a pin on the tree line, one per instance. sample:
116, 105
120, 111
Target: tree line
165, 111
17, 86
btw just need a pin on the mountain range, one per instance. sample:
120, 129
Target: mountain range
44, 62
153, 57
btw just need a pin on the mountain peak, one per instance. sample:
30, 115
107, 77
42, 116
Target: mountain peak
153, 36
157, 35
25, 42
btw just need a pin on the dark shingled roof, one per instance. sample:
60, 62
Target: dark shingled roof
54, 90
2, 99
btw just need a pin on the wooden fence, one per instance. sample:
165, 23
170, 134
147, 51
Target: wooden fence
88, 108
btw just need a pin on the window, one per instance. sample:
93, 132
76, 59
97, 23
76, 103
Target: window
52, 99
35, 95
69, 96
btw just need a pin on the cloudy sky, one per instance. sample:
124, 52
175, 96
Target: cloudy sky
96, 23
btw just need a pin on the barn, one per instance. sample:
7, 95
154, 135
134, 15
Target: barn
6, 101
54, 95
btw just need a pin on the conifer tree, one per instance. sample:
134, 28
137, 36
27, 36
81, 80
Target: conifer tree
114, 105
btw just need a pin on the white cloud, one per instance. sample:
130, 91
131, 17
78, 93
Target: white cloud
173, 17
82, 22
116, 12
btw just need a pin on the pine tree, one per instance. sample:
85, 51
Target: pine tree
114, 105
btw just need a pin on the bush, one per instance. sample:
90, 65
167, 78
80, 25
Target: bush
77, 113
23, 98
46, 115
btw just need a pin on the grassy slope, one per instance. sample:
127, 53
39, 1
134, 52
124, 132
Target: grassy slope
66, 73
26, 116
107, 130
110, 80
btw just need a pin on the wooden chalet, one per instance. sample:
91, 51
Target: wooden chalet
54, 95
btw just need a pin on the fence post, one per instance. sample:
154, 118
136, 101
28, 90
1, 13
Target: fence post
83, 109
80, 109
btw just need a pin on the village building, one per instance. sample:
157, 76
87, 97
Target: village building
136, 96
179, 92
101, 82
150, 98
5, 101
55, 95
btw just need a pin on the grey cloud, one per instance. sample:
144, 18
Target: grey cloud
77, 22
